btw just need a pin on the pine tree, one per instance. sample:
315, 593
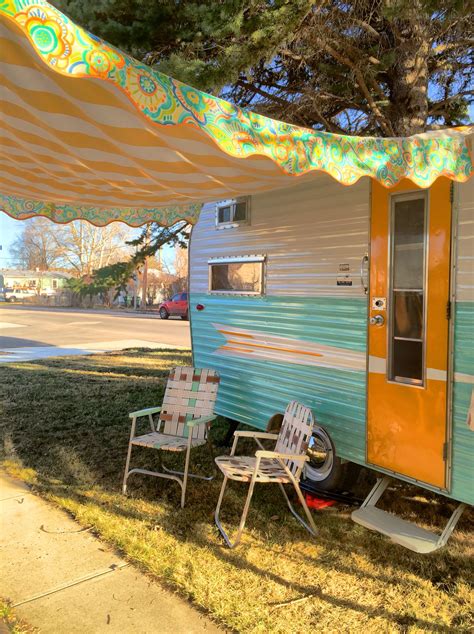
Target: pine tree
117, 276
380, 67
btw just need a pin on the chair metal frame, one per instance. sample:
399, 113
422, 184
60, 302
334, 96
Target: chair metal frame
189, 428
292, 464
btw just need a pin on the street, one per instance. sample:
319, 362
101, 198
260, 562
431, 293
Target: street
28, 332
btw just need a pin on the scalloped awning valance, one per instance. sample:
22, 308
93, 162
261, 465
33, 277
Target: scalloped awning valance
88, 132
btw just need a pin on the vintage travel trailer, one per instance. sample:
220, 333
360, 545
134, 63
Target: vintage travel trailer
357, 301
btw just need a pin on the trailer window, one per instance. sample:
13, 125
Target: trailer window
231, 213
408, 289
243, 276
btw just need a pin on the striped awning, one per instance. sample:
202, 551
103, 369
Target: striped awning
88, 132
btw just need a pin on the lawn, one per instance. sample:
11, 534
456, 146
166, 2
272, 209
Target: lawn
65, 429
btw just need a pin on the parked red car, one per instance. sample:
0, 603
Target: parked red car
176, 306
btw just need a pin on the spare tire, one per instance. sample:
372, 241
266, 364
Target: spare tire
325, 470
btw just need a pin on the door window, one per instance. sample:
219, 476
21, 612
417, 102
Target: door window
407, 289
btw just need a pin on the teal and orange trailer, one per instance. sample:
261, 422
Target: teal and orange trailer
357, 301
331, 269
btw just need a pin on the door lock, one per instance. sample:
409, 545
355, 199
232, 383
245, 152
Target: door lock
377, 320
379, 303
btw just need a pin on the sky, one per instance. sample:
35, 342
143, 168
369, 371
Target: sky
10, 229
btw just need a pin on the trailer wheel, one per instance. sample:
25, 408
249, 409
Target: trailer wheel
325, 469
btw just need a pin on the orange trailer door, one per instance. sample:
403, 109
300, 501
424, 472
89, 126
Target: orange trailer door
408, 331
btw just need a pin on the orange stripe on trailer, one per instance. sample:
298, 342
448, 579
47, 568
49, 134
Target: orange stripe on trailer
278, 348
234, 333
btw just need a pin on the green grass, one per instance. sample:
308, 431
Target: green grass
65, 430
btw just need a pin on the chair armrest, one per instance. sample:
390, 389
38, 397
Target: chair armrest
255, 434
144, 412
282, 456
203, 420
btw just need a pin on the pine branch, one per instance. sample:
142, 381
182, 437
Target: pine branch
384, 124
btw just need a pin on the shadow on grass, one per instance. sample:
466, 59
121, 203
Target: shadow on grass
182, 529
8, 344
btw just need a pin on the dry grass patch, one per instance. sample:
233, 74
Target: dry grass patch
65, 430
12, 624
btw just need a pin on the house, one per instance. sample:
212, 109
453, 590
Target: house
48, 282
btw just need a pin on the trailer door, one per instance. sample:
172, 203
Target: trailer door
408, 330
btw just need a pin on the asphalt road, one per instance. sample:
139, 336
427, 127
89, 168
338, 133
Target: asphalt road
28, 332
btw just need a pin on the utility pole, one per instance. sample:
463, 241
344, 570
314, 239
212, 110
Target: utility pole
145, 272
135, 292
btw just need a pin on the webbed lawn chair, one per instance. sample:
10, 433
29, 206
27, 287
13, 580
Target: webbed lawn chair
282, 466
183, 422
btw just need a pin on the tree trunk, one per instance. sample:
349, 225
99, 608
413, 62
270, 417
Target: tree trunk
408, 111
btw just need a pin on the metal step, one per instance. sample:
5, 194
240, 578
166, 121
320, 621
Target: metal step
398, 530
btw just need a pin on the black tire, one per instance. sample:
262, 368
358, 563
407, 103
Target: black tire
12, 299
185, 317
164, 313
326, 471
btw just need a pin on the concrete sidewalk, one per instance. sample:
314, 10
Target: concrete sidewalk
63, 580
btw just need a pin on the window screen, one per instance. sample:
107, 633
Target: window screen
244, 276
240, 211
224, 214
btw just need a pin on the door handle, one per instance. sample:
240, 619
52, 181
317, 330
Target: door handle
377, 320
365, 260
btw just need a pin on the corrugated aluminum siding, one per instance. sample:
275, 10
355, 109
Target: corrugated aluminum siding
463, 437
306, 233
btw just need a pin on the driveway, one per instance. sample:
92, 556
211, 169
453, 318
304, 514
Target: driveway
28, 333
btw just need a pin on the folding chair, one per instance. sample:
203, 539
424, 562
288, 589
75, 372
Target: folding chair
183, 423
281, 466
